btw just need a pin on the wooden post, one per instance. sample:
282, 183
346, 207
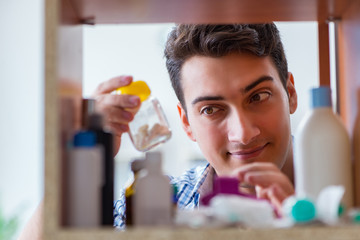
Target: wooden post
324, 56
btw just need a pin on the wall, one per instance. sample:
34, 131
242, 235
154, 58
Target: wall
21, 94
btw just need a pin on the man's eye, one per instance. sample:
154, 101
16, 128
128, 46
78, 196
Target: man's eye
209, 110
260, 97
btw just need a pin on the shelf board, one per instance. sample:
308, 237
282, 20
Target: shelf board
308, 232
201, 11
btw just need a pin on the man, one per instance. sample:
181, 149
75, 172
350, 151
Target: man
235, 99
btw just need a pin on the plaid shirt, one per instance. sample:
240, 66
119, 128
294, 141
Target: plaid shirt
188, 192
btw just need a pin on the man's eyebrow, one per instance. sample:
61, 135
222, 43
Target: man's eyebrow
246, 89
257, 82
207, 98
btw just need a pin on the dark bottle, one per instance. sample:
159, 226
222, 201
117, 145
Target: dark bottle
136, 166
106, 139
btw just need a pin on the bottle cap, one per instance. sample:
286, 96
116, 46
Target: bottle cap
153, 161
138, 88
227, 185
303, 210
85, 139
320, 97
137, 164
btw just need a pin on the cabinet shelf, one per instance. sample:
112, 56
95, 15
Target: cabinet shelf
63, 77
140, 11
348, 232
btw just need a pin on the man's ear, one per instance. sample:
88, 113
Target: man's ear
184, 122
290, 86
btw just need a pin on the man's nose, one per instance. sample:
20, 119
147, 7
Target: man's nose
242, 128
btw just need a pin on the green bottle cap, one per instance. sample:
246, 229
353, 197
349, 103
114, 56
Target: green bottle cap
303, 211
341, 210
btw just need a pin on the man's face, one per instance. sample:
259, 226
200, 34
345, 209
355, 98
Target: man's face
237, 110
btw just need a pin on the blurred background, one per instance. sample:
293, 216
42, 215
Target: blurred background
109, 50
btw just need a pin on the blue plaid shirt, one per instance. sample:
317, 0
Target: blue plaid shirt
188, 192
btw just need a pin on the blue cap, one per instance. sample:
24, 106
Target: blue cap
84, 139
320, 97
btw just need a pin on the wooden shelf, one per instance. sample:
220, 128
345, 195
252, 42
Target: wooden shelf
63, 78
201, 11
328, 233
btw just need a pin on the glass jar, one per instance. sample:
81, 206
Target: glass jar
149, 127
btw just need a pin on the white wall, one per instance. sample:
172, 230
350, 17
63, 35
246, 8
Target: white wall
21, 100
111, 50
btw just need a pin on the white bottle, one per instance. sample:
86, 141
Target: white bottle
85, 180
153, 199
322, 150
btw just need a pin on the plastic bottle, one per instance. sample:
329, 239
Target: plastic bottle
153, 199
85, 181
175, 200
149, 126
136, 166
322, 150
105, 139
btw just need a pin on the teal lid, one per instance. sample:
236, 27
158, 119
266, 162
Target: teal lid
320, 97
303, 210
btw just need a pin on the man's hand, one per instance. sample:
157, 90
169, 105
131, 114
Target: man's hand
118, 110
270, 183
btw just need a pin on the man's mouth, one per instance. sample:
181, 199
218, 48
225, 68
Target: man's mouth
247, 154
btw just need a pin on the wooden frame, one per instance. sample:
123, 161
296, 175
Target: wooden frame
63, 76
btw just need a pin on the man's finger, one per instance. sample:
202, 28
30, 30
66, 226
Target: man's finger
120, 101
112, 84
254, 167
267, 178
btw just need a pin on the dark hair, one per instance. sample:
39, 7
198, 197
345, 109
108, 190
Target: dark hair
187, 40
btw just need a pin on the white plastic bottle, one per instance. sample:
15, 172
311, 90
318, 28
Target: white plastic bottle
153, 197
322, 150
85, 180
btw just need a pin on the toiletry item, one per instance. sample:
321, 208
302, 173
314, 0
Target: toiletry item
153, 199
174, 200
322, 150
136, 166
149, 127
299, 209
354, 215
237, 209
84, 181
328, 204
225, 186
105, 138
327, 208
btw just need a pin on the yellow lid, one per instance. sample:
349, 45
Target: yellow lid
138, 88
